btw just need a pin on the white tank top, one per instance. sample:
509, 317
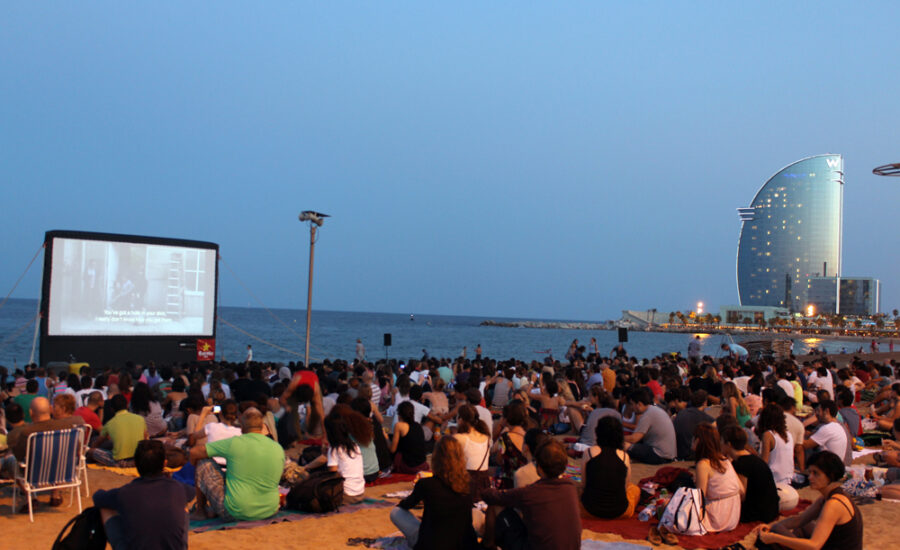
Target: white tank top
476, 454
781, 458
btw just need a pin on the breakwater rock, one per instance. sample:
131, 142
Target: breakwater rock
546, 324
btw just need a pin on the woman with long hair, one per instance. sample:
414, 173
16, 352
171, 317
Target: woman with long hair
733, 402
447, 519
408, 441
509, 450
345, 457
362, 432
606, 471
717, 480
777, 443
144, 404
475, 438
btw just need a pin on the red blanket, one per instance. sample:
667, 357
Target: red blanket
637, 530
393, 478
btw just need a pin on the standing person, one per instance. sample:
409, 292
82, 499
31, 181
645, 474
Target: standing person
478, 352
447, 518
593, 348
695, 348
249, 354
360, 351
832, 522
149, 512
550, 511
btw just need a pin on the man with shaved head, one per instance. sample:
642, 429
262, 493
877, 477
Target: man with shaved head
248, 489
42, 421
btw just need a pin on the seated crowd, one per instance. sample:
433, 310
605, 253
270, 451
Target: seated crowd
491, 433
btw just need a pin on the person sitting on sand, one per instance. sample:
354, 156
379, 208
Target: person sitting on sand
249, 489
509, 448
408, 441
718, 482
475, 439
832, 522
447, 518
148, 512
344, 455
550, 512
653, 440
886, 421
125, 429
759, 496
606, 472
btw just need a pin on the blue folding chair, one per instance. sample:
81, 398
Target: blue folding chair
52, 461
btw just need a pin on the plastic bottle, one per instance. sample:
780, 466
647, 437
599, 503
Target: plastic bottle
648, 512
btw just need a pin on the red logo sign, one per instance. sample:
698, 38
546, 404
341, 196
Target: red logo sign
206, 349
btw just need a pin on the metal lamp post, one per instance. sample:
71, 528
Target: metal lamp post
315, 219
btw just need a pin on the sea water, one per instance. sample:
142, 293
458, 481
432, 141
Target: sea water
278, 335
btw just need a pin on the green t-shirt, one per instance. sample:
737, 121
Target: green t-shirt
24, 400
126, 430
255, 464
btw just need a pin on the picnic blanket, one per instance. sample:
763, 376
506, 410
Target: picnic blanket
215, 524
398, 542
125, 471
633, 528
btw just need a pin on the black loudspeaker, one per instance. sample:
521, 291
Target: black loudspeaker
623, 334
387, 339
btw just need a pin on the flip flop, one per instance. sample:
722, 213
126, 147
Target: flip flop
56, 501
654, 536
667, 536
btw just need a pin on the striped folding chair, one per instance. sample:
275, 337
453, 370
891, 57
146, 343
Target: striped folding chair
82, 463
51, 462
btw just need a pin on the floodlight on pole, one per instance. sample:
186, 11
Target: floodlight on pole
315, 219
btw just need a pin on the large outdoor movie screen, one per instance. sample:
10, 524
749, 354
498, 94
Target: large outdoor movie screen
104, 288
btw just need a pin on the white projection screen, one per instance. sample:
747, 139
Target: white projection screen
108, 288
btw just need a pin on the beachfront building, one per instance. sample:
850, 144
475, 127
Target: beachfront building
790, 232
858, 296
750, 315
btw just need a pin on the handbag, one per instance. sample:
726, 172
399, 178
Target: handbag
684, 513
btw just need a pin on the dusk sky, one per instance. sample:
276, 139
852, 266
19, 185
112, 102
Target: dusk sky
505, 159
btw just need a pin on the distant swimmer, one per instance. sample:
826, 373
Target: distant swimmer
412, 317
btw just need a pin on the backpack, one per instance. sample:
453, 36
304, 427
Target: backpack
684, 512
86, 532
319, 493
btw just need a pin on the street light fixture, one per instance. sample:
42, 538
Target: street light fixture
315, 219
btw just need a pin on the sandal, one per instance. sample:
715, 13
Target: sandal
654, 536
56, 501
667, 536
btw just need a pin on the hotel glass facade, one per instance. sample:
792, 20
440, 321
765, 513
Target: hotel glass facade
859, 296
790, 232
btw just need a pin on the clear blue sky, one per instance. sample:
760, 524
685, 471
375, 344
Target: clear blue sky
561, 160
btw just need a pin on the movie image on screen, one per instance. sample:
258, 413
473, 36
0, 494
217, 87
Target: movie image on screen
103, 288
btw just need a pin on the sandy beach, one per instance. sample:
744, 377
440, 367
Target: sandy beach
332, 532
